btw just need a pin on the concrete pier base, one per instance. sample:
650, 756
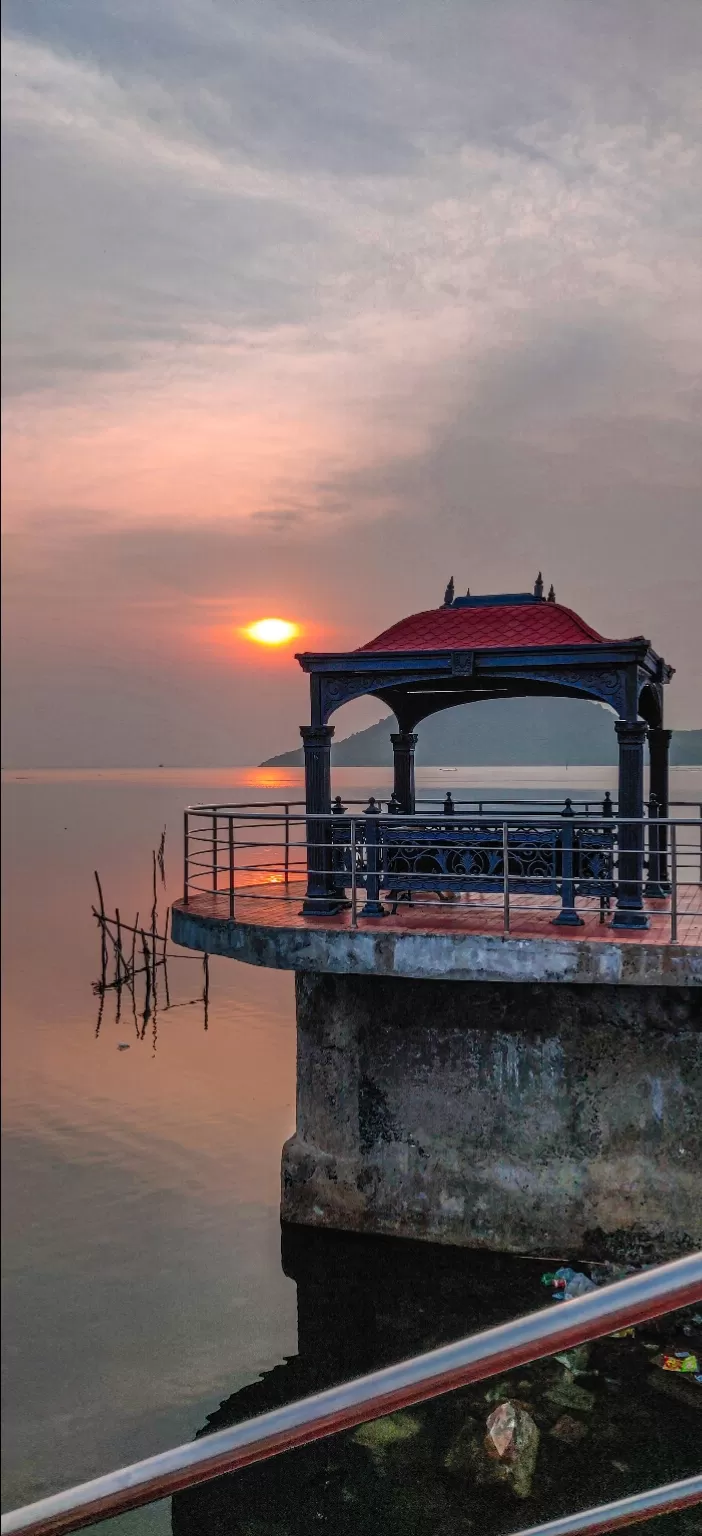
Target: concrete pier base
552, 1119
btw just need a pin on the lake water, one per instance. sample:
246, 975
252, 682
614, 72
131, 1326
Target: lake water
143, 1282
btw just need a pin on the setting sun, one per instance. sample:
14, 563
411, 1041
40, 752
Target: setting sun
271, 631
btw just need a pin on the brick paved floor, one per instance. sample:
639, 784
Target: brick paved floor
530, 916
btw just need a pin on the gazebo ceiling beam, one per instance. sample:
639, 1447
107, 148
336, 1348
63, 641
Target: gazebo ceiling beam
412, 705
617, 673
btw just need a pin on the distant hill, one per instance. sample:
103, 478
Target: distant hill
501, 732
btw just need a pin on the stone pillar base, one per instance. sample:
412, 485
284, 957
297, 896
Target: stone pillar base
544, 1119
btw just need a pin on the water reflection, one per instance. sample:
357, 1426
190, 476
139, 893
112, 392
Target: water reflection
141, 1266
364, 1303
140, 959
142, 1278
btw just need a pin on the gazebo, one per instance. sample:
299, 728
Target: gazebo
505, 645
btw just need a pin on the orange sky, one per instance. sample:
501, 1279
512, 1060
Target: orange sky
438, 313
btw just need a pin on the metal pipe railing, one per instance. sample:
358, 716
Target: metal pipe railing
271, 856
630, 1511
499, 1350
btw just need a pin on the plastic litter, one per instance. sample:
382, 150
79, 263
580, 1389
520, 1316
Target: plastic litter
558, 1278
680, 1361
624, 1333
567, 1283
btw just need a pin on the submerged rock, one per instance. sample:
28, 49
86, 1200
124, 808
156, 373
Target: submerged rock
499, 1391
567, 1394
575, 1360
382, 1435
506, 1454
568, 1429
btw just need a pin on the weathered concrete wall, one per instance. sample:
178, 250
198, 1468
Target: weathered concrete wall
378, 949
554, 1119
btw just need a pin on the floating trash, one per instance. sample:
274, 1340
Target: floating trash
681, 1360
567, 1283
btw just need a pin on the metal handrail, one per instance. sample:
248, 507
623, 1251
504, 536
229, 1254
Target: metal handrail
411, 818
498, 1350
672, 858
611, 1517
593, 803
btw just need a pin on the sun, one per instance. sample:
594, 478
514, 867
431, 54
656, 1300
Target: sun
271, 631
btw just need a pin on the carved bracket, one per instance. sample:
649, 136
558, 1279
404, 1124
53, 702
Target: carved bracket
340, 689
606, 685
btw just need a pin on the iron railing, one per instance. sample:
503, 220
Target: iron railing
637, 1299
525, 861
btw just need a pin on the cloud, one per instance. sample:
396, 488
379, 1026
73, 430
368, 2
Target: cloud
311, 303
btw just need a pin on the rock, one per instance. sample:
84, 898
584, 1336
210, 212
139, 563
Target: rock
567, 1394
499, 1391
511, 1447
506, 1454
465, 1450
381, 1435
569, 1430
501, 1427
575, 1360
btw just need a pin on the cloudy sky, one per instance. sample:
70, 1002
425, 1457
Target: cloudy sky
308, 306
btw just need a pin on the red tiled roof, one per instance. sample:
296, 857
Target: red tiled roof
483, 628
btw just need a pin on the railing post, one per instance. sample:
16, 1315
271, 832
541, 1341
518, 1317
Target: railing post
372, 907
567, 917
186, 857
231, 866
287, 844
658, 755
337, 858
505, 875
354, 878
215, 838
673, 847
656, 846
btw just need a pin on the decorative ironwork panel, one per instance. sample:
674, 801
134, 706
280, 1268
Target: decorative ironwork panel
466, 857
594, 862
607, 684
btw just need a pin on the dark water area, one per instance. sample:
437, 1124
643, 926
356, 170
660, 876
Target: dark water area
144, 1291
364, 1303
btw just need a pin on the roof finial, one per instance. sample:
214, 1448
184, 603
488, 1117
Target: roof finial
539, 587
448, 594
551, 594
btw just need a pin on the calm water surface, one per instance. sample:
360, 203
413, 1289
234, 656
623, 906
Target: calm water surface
143, 1282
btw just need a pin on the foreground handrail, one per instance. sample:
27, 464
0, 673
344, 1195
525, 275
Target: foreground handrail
502, 1349
629, 1511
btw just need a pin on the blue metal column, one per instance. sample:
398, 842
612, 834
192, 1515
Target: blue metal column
403, 745
316, 741
658, 750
